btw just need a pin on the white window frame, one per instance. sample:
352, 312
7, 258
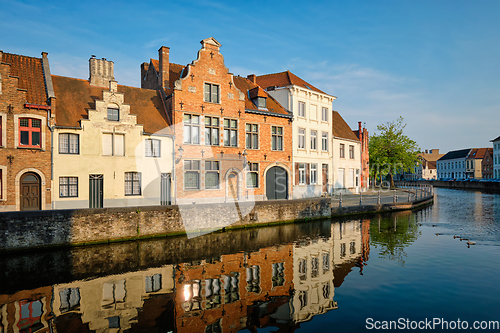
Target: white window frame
188, 123
302, 173
324, 114
277, 138
150, 150
313, 173
301, 143
212, 167
71, 137
301, 112
209, 98
114, 139
314, 140
324, 141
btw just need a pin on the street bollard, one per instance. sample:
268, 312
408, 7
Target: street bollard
378, 199
394, 199
409, 193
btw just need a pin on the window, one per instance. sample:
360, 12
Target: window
314, 173
191, 174
132, 183
313, 113
153, 283
211, 93
211, 131
351, 152
68, 187
303, 269
30, 132
276, 138
352, 248
314, 267
252, 136
191, 129
302, 139
152, 148
113, 144
302, 109
278, 276
342, 150
302, 173
253, 175
324, 141
314, 135
70, 299
113, 114
212, 174
261, 102
68, 143
230, 133
326, 262
324, 114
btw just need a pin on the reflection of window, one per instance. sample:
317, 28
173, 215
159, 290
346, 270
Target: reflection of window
214, 327
326, 262
70, 299
153, 283
352, 248
152, 148
114, 322
191, 129
230, 132
212, 293
68, 143
113, 293
276, 138
302, 298
231, 287
302, 269
253, 279
314, 267
212, 174
132, 183
211, 131
326, 290
68, 187
30, 132
252, 136
192, 296
211, 93
191, 174
253, 175
278, 277
342, 250
30, 316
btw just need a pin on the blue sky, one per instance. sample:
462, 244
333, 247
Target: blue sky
435, 63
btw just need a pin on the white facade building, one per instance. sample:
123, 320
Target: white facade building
312, 131
496, 158
452, 165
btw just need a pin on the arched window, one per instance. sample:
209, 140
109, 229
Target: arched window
30, 132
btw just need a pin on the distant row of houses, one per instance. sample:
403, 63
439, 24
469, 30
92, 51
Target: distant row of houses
470, 163
192, 133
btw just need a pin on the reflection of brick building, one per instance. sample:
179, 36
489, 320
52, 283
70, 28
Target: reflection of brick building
221, 121
26, 311
218, 295
25, 139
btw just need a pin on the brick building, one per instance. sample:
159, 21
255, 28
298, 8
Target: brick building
26, 96
233, 140
487, 164
362, 134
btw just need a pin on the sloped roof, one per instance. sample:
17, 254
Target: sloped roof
431, 164
74, 97
495, 139
284, 79
340, 128
272, 105
175, 71
462, 153
30, 73
477, 153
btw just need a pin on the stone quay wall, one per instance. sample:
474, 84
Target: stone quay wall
21, 231
459, 185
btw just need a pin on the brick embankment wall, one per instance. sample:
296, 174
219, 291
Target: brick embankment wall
27, 230
460, 185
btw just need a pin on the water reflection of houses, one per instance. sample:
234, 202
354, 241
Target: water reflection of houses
114, 303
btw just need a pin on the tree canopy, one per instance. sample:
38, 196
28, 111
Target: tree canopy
391, 150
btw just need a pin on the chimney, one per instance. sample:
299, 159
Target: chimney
163, 56
101, 72
359, 130
426, 151
252, 78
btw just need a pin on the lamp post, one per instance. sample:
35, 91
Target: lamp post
181, 151
244, 158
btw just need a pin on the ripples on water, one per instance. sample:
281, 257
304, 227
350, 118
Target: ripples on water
310, 277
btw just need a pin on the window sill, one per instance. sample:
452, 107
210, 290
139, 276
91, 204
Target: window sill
191, 189
133, 195
67, 197
212, 189
216, 103
3, 200
33, 148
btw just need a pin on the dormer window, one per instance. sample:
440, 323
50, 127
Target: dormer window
113, 114
258, 97
261, 102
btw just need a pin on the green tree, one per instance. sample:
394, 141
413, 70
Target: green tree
392, 151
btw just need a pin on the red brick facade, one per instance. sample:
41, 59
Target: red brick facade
229, 101
24, 101
362, 134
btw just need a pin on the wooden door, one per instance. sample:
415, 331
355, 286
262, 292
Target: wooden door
30, 192
165, 198
96, 191
276, 183
232, 183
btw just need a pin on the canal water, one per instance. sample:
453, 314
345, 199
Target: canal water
433, 268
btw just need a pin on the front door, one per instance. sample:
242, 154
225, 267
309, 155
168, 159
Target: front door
276, 183
30, 192
325, 177
232, 183
165, 198
96, 191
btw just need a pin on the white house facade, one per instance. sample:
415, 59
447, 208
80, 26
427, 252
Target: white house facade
496, 157
452, 165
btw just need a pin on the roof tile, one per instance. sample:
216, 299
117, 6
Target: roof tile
341, 129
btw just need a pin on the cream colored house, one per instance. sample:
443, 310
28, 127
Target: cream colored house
313, 266
112, 144
346, 157
112, 303
312, 131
